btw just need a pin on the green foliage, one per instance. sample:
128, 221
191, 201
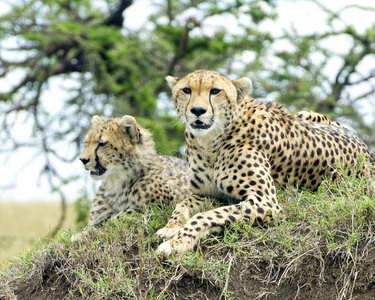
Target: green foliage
65, 37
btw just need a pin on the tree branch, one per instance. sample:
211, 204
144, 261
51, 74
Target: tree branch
364, 95
116, 18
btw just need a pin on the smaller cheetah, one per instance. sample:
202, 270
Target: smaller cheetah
122, 154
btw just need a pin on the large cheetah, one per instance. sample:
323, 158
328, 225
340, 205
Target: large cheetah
242, 148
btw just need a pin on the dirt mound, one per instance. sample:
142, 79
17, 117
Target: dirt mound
222, 273
324, 249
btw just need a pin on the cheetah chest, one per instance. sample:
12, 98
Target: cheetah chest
201, 174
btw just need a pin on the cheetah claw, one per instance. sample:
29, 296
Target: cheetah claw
173, 246
165, 249
168, 231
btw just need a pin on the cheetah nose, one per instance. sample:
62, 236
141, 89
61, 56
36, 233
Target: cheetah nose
198, 111
84, 160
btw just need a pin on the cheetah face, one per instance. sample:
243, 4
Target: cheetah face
111, 147
206, 101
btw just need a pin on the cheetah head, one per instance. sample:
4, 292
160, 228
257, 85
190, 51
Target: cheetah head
116, 146
206, 101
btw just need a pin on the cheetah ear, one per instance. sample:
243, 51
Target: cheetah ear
130, 128
243, 87
96, 119
171, 81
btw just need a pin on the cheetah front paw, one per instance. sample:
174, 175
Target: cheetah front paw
168, 231
372, 189
165, 249
80, 235
174, 246
77, 237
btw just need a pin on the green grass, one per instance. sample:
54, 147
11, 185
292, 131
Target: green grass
320, 247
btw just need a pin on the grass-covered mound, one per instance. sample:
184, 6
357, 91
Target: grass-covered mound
323, 249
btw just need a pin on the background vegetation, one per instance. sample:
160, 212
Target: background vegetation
105, 67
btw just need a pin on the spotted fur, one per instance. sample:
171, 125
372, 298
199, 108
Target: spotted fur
240, 148
122, 154
316, 117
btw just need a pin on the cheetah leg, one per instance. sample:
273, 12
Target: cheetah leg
255, 192
99, 212
80, 235
202, 224
372, 189
181, 214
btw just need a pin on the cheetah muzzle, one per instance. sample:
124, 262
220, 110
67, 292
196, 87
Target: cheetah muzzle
198, 124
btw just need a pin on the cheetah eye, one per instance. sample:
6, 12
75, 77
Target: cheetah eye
102, 144
187, 90
215, 91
